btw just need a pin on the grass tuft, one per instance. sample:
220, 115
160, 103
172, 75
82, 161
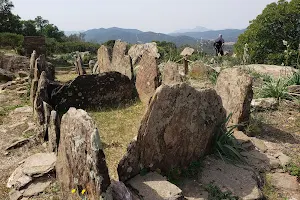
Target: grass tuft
225, 144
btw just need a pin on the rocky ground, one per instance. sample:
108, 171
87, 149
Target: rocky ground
272, 151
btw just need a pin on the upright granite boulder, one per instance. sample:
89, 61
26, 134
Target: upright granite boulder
235, 89
171, 73
147, 77
81, 162
93, 91
175, 131
40, 97
104, 59
121, 61
137, 50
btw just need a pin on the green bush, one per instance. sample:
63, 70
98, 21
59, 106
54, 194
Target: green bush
276, 89
216, 194
11, 40
294, 79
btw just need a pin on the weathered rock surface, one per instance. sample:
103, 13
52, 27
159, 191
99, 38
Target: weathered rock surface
176, 130
79, 66
121, 192
40, 97
91, 65
284, 159
93, 91
171, 74
294, 89
259, 144
264, 104
53, 131
14, 63
154, 186
235, 89
188, 51
120, 59
104, 59
34, 166
147, 77
81, 161
95, 68
137, 50
6, 75
285, 184
228, 177
271, 70
41, 65
192, 190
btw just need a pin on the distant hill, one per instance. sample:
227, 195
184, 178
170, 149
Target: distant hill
230, 35
134, 36
196, 29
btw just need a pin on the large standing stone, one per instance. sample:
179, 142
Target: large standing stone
235, 88
79, 66
171, 73
53, 131
176, 130
81, 162
147, 77
120, 60
137, 50
93, 91
40, 97
104, 59
95, 68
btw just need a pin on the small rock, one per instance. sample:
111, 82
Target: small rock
154, 186
36, 187
22, 88
241, 137
294, 89
22, 93
15, 195
17, 144
23, 110
23, 74
6, 75
284, 159
259, 144
264, 104
120, 191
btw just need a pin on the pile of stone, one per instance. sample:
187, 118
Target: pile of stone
32, 176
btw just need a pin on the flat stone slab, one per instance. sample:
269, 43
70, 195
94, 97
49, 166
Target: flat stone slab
153, 186
284, 181
227, 177
34, 166
259, 144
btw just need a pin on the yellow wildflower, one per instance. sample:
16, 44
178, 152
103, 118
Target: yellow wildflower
83, 191
73, 191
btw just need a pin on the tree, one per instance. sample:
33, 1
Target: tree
40, 23
265, 35
51, 31
29, 28
8, 21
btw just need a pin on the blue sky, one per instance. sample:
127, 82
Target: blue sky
147, 15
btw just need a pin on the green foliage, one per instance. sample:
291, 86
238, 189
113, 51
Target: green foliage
8, 21
216, 194
51, 31
293, 169
11, 40
168, 51
213, 76
175, 175
276, 89
265, 35
294, 79
225, 144
29, 28
68, 47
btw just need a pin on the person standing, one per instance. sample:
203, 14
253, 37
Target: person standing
218, 44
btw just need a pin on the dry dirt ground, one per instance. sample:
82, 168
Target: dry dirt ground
280, 129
